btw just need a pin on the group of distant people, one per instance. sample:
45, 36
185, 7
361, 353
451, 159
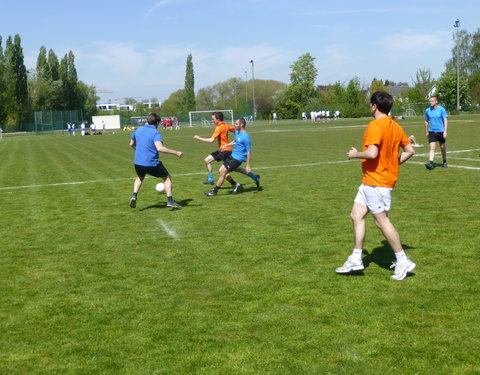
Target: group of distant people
71, 129
380, 155
323, 115
168, 122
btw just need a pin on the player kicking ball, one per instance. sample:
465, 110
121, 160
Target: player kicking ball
242, 152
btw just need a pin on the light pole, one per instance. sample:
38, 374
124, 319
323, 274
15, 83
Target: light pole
253, 90
456, 25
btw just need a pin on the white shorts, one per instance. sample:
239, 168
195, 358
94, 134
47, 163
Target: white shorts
377, 199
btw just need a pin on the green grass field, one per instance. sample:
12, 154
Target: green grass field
235, 284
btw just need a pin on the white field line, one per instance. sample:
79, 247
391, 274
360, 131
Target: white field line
170, 232
258, 168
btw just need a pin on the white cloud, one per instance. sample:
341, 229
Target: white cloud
412, 43
160, 4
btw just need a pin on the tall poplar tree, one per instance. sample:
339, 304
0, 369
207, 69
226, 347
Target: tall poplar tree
189, 91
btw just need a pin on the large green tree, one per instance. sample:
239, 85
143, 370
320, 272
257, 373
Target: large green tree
423, 82
189, 90
293, 100
446, 90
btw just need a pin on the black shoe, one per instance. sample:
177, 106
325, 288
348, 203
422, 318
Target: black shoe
133, 202
173, 204
257, 181
430, 166
445, 165
236, 188
210, 193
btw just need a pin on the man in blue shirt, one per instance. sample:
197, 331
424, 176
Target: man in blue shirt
147, 143
436, 123
242, 152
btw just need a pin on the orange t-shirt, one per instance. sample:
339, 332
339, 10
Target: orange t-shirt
221, 133
389, 137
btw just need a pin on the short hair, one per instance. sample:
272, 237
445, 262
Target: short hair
383, 100
242, 121
434, 96
218, 115
153, 118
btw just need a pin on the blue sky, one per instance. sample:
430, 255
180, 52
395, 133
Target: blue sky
139, 48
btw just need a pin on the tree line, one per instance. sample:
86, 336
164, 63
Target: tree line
52, 85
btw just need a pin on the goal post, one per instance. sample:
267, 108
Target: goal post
203, 118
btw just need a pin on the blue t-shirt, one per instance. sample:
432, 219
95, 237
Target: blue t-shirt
242, 146
146, 153
435, 117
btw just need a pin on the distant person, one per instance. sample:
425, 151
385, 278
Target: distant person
274, 117
380, 164
92, 128
177, 123
73, 129
436, 124
83, 128
304, 116
148, 143
103, 126
69, 128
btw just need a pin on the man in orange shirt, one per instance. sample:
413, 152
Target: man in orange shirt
380, 164
221, 135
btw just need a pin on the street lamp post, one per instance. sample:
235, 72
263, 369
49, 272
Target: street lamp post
456, 25
253, 91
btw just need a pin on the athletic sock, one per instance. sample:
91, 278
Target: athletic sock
210, 177
215, 189
252, 176
401, 256
134, 195
357, 254
170, 199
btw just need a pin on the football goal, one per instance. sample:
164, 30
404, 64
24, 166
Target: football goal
203, 118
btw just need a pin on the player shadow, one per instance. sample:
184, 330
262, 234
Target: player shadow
250, 189
184, 203
382, 256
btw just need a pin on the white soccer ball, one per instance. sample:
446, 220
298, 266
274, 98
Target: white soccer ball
160, 187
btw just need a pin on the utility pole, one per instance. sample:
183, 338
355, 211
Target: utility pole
456, 25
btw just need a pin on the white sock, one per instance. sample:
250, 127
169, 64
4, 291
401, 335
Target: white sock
401, 256
357, 254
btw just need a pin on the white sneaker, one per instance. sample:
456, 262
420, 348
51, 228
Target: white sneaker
401, 269
350, 265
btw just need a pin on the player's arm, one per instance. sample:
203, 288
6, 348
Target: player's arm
426, 128
231, 144
370, 153
161, 148
408, 152
247, 165
445, 123
209, 140
133, 144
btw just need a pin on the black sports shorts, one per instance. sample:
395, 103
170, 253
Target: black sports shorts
436, 137
221, 155
231, 164
158, 171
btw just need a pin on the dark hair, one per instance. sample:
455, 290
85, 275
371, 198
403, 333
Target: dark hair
383, 100
242, 121
218, 115
153, 118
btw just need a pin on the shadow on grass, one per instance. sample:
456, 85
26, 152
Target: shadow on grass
183, 203
382, 256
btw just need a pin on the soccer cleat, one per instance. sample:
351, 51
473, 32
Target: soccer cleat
401, 269
210, 193
173, 204
208, 182
133, 202
257, 181
430, 165
350, 265
236, 188
445, 165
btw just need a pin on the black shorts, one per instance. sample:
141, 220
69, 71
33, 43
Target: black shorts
231, 164
436, 137
221, 155
158, 171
